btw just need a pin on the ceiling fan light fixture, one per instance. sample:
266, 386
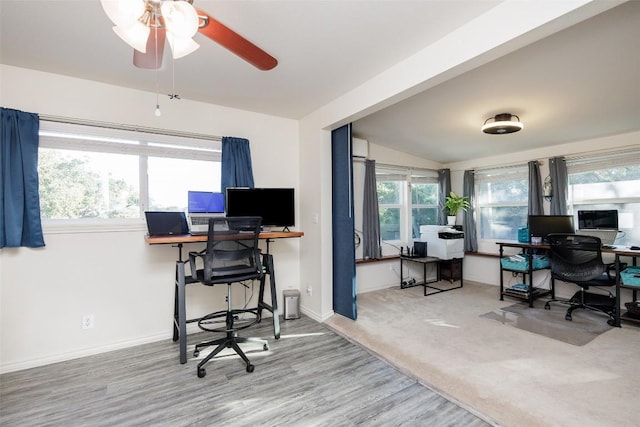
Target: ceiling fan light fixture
502, 124
181, 46
135, 35
180, 18
123, 12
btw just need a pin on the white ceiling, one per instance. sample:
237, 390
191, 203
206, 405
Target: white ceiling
580, 83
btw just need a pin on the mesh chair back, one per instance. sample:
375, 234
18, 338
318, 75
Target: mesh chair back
232, 252
576, 258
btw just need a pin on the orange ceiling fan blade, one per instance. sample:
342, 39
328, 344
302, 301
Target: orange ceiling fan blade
152, 58
234, 42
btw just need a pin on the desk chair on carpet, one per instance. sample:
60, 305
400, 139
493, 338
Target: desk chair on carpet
577, 259
231, 256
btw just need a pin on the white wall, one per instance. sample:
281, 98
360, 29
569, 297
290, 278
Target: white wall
126, 284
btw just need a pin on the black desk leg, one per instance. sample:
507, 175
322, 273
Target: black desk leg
267, 260
182, 311
616, 319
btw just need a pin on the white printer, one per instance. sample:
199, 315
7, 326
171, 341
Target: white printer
443, 241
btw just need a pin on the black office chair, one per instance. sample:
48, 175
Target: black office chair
578, 259
231, 256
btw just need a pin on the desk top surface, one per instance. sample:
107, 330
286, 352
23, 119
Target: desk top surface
191, 238
619, 250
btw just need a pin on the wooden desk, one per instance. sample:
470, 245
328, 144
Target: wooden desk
181, 280
190, 238
618, 251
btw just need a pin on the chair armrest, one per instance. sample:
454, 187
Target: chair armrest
192, 263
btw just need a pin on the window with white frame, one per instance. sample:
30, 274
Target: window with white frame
608, 181
101, 174
502, 202
407, 198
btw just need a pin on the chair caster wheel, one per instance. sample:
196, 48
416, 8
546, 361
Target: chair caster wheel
265, 347
250, 368
196, 353
568, 317
611, 322
201, 372
547, 306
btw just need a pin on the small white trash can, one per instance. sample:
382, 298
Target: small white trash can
291, 304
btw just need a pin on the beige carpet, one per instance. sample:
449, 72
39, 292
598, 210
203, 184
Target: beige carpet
512, 376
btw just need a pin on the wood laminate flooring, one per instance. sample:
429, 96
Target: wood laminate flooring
309, 377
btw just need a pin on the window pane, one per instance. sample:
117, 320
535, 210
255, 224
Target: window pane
610, 188
80, 184
422, 216
389, 192
171, 179
502, 223
424, 194
389, 223
492, 192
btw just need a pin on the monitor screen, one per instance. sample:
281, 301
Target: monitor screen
600, 219
274, 205
205, 202
542, 225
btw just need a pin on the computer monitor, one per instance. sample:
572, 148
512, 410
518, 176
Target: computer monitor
598, 219
205, 202
275, 205
543, 225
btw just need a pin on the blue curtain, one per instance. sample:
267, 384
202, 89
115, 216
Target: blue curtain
235, 165
444, 188
19, 197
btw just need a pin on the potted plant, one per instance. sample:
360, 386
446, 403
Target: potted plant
454, 203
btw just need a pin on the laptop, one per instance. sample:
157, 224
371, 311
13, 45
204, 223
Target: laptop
599, 223
202, 205
162, 223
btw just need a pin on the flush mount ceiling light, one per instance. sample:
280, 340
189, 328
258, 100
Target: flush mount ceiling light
502, 124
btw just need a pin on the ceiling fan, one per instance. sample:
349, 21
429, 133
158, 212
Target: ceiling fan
146, 24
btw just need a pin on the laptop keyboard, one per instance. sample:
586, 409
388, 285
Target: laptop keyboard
200, 220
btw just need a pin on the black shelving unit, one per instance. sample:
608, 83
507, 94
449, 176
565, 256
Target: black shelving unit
531, 293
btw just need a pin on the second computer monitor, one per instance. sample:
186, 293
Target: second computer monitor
543, 225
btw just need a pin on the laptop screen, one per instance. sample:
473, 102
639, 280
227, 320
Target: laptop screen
166, 223
205, 202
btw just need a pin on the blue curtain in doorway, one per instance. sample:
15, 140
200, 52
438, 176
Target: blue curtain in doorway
19, 193
236, 169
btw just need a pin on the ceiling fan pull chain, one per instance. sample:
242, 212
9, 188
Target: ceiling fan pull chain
173, 94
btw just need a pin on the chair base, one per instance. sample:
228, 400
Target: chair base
232, 324
230, 341
588, 301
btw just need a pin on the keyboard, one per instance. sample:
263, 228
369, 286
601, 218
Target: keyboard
200, 220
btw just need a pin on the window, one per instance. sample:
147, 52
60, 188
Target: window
502, 202
406, 200
608, 182
102, 175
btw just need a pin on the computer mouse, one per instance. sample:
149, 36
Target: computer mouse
634, 248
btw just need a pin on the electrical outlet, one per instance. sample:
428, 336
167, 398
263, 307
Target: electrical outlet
309, 290
87, 321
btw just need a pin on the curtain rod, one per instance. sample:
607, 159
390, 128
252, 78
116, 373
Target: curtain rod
133, 128
388, 165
